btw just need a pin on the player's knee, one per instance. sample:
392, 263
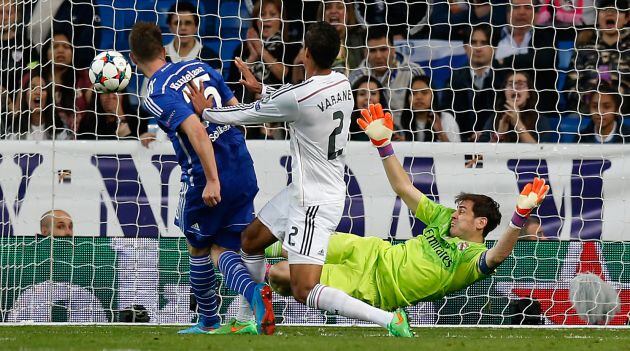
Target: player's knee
301, 291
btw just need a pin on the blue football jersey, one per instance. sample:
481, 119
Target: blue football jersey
170, 106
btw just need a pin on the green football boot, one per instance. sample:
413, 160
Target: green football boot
236, 327
399, 326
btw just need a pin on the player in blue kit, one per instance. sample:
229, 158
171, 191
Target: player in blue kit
218, 181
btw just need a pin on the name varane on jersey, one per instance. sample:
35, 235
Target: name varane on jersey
170, 106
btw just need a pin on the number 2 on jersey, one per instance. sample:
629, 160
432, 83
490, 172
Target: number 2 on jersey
332, 153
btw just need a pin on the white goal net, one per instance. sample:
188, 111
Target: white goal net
485, 96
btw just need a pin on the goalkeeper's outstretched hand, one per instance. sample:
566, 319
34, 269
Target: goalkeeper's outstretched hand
531, 197
377, 124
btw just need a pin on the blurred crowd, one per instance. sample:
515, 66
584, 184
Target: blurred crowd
534, 71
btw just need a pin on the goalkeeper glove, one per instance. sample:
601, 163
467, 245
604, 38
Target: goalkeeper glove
379, 127
531, 197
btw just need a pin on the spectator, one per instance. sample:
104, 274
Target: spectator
392, 69
183, 22
115, 119
403, 18
565, 13
532, 230
450, 18
341, 13
365, 91
524, 48
35, 120
470, 92
77, 18
420, 119
516, 119
14, 48
602, 54
270, 57
56, 223
7, 113
606, 124
72, 87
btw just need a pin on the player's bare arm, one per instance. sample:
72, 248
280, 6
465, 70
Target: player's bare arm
198, 137
531, 197
379, 127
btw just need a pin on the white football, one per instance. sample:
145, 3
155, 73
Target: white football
110, 72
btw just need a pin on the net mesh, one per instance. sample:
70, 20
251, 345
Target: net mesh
480, 79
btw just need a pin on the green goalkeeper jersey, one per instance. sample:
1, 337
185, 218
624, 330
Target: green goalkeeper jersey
428, 266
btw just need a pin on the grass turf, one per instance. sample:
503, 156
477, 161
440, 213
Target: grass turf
309, 339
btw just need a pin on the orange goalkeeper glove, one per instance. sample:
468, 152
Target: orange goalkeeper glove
379, 127
531, 197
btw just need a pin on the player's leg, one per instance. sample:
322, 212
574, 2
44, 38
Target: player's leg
307, 244
202, 278
203, 286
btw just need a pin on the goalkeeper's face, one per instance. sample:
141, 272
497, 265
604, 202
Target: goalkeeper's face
465, 225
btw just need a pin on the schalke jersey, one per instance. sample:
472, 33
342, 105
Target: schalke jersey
170, 106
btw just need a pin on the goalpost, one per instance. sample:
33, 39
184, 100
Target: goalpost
120, 197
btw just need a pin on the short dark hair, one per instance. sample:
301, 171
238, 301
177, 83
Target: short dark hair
606, 88
180, 7
145, 41
483, 206
485, 29
323, 42
380, 31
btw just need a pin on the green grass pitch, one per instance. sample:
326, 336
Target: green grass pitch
129, 338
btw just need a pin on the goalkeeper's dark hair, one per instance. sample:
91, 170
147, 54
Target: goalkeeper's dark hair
483, 206
322, 41
145, 41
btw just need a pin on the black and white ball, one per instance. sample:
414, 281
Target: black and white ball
110, 72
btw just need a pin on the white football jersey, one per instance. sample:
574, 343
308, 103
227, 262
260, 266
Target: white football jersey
318, 111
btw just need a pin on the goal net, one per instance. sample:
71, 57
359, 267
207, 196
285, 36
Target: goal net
485, 96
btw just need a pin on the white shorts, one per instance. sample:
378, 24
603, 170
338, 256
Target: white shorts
303, 231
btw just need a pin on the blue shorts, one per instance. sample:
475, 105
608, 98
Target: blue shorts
221, 225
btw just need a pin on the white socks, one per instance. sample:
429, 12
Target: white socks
338, 302
255, 264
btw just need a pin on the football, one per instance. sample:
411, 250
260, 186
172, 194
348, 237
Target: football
110, 72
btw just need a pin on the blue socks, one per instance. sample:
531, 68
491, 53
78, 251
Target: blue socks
203, 283
236, 275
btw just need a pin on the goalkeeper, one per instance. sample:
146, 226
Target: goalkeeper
448, 256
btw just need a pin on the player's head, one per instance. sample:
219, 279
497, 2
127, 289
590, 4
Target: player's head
56, 223
322, 45
145, 42
476, 215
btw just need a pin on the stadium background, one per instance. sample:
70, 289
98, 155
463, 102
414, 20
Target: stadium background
93, 276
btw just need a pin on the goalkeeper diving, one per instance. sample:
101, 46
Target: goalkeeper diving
449, 255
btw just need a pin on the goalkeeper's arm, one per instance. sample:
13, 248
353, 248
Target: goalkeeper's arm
379, 127
531, 197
